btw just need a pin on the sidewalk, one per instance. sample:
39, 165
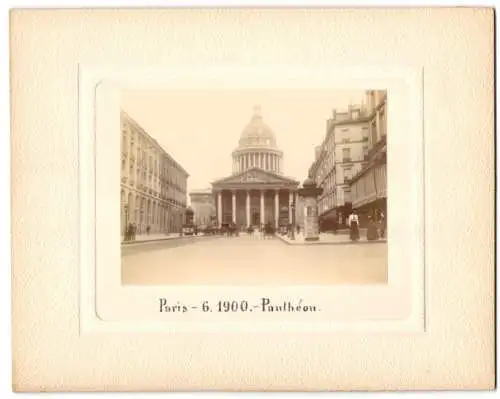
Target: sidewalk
152, 237
330, 239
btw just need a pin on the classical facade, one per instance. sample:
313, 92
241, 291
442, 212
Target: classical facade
202, 202
153, 184
257, 192
341, 156
369, 185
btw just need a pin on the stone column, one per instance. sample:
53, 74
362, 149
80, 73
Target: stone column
276, 208
290, 201
219, 207
234, 206
248, 208
262, 218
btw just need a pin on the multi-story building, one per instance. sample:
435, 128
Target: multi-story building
369, 185
203, 204
341, 156
153, 184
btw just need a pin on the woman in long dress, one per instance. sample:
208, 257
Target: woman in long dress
371, 231
353, 223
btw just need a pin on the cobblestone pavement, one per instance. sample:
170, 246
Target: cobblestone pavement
252, 260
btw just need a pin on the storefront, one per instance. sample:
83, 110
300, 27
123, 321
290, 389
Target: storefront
369, 189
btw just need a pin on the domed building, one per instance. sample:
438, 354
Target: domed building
257, 192
257, 147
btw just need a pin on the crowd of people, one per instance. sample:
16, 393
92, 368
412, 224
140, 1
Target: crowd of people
376, 226
131, 231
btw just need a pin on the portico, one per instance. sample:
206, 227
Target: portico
254, 197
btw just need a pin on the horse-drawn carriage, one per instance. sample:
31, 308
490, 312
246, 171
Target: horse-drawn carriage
229, 230
269, 230
266, 230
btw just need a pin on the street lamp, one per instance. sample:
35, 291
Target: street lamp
292, 205
142, 216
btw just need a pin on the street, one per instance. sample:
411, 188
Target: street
249, 260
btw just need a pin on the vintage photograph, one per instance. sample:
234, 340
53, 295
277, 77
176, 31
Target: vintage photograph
284, 187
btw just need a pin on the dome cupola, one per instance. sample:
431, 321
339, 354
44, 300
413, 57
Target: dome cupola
257, 133
257, 147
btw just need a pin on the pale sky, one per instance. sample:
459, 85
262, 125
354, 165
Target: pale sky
200, 129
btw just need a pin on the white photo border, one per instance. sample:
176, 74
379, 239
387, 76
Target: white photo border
107, 306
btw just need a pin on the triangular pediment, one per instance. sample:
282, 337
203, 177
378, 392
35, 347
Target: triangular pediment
255, 176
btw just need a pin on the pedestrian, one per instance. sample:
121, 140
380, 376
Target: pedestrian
134, 229
298, 229
353, 223
148, 229
129, 232
382, 224
371, 231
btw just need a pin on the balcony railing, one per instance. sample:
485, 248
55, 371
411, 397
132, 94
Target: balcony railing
346, 159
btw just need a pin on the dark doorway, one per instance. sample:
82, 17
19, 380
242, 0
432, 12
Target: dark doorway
256, 218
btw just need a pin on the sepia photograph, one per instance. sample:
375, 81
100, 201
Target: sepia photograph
244, 187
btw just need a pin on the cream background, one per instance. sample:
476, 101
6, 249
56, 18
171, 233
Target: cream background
455, 49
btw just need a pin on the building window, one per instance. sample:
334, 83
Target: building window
383, 124
346, 140
374, 132
346, 154
347, 174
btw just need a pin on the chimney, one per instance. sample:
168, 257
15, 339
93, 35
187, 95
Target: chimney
317, 152
349, 110
334, 114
